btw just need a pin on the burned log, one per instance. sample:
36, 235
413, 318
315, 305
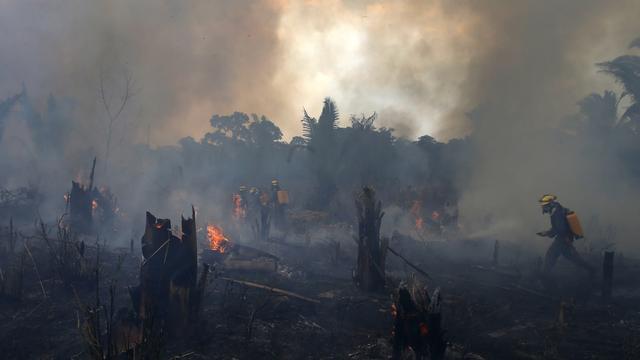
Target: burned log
370, 271
230, 255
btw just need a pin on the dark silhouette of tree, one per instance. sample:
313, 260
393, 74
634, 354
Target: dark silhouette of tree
263, 131
363, 122
242, 128
320, 139
5, 107
228, 128
113, 108
599, 113
626, 71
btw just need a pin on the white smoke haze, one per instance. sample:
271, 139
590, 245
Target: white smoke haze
518, 68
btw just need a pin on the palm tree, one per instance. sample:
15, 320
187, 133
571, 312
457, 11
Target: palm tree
319, 136
599, 112
626, 71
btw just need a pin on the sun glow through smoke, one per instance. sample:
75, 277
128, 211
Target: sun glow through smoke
390, 58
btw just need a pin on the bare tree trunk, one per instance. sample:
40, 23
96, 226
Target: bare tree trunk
370, 270
113, 115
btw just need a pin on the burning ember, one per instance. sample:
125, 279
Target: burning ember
417, 214
94, 204
217, 241
435, 216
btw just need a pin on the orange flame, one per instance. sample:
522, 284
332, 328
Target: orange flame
217, 241
416, 212
94, 204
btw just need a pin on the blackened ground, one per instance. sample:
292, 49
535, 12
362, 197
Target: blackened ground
495, 311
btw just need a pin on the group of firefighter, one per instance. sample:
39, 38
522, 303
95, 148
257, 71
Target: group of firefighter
255, 203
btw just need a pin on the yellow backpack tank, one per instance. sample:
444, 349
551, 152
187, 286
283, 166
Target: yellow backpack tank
574, 224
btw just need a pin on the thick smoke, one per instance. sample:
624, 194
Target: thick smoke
508, 73
190, 59
534, 63
187, 59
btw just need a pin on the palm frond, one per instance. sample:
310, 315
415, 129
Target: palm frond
626, 70
329, 116
308, 126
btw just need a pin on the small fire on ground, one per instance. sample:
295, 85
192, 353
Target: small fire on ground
416, 212
217, 241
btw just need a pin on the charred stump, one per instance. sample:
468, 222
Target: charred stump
168, 291
417, 323
370, 271
81, 204
104, 207
80, 208
607, 275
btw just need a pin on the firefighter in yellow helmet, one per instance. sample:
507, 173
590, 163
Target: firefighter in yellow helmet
562, 234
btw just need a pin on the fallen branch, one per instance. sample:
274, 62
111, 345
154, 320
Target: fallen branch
270, 288
416, 268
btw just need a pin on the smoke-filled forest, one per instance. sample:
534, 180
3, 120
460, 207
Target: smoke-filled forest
319, 180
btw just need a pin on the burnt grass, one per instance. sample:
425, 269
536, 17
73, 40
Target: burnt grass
493, 311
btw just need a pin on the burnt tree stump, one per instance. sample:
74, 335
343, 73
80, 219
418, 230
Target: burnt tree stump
370, 271
80, 210
607, 275
417, 323
168, 291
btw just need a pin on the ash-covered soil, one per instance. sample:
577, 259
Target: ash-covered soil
491, 311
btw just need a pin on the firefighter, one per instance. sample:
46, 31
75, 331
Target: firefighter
563, 236
240, 202
275, 187
253, 203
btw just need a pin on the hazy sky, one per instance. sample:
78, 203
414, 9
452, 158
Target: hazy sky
420, 64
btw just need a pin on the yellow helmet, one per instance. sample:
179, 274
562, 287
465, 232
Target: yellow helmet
274, 182
546, 199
